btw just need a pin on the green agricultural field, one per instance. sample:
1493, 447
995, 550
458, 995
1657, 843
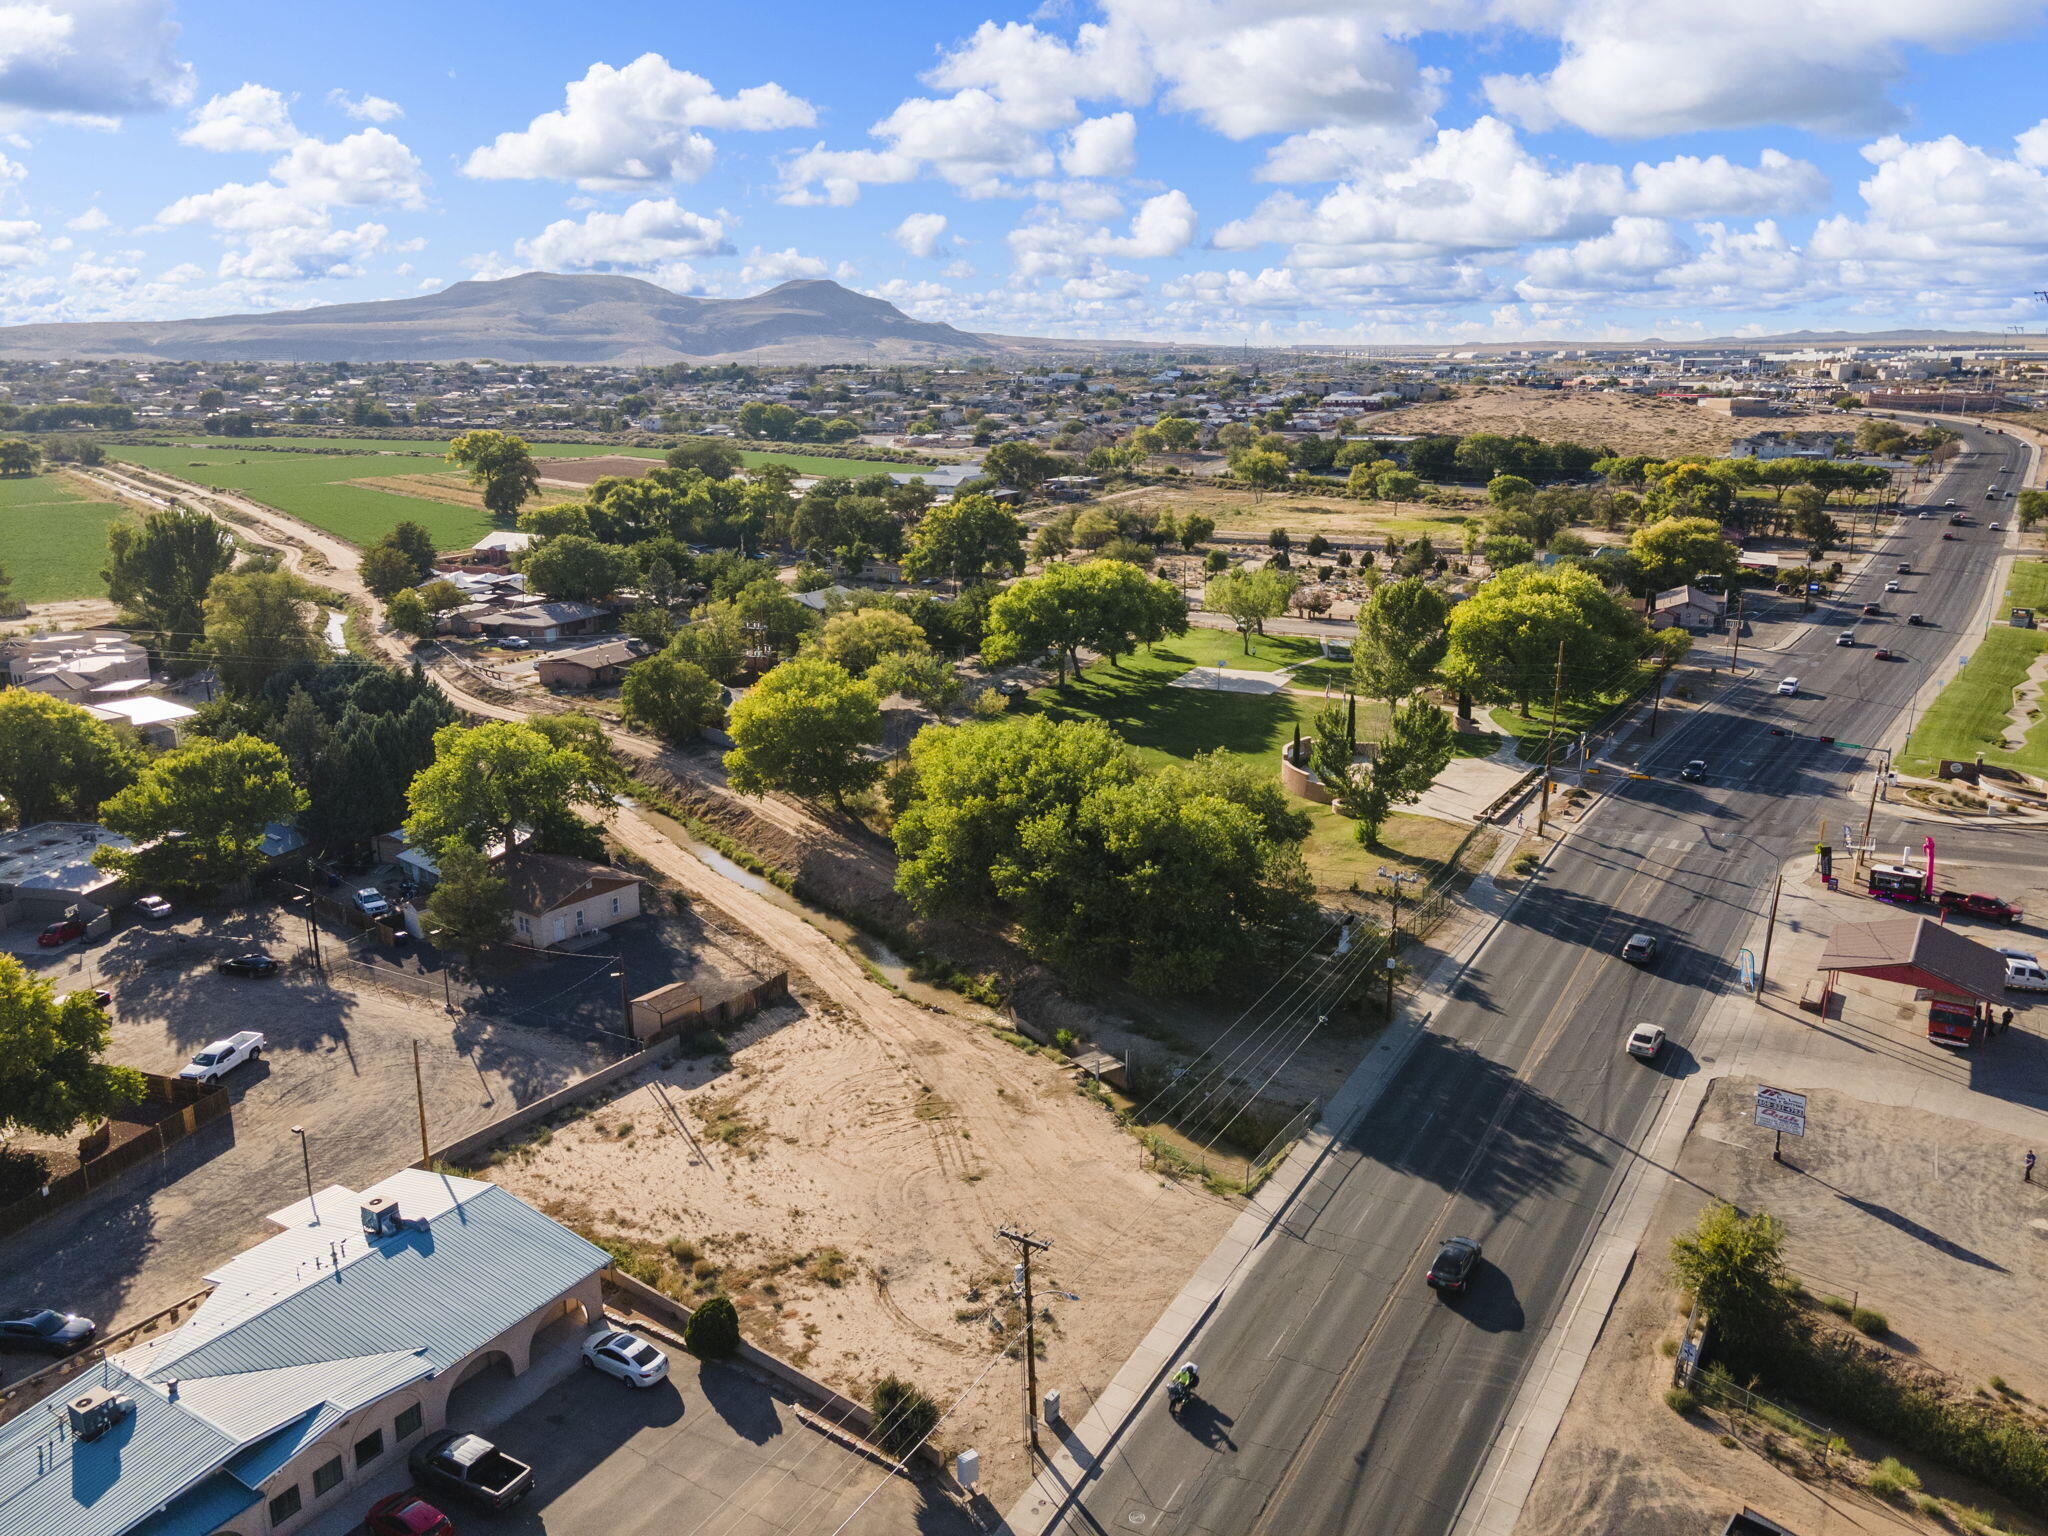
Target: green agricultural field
1973, 713
53, 538
315, 485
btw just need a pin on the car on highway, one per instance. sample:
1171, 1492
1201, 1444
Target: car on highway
1871, 610
1788, 686
370, 902
1450, 1272
616, 1352
1947, 535
1891, 586
255, 963
222, 1057
1640, 948
1998, 527
1645, 1042
407, 1514
43, 1331
1925, 515
1881, 654
1694, 770
2022, 977
1915, 619
1950, 502
1905, 567
152, 906
62, 931
1845, 638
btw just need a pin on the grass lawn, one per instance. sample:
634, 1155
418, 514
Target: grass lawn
53, 538
2028, 587
1971, 714
316, 486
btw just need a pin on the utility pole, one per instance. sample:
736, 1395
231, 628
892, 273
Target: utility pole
1735, 655
419, 1089
1877, 777
1394, 879
1770, 928
625, 1000
1550, 739
1026, 1246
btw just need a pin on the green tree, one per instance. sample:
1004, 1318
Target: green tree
158, 573
52, 1078
1106, 605
471, 905
1402, 636
500, 466
1250, 598
1417, 745
19, 456
968, 539
805, 729
577, 569
1675, 550
670, 695
1260, 468
386, 571
197, 815
713, 459
1195, 530
1399, 485
713, 1331
412, 540
57, 763
1507, 490
487, 782
301, 734
920, 675
1506, 636
2031, 507
409, 614
1024, 466
1176, 433
1735, 1266
860, 637
257, 624
715, 639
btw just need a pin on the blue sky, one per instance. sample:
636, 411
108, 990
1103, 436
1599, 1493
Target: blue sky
1210, 169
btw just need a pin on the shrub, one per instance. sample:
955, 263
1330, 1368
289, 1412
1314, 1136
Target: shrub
714, 1329
1066, 1040
1836, 1305
1868, 1323
904, 1416
1892, 1477
1668, 1348
1678, 1400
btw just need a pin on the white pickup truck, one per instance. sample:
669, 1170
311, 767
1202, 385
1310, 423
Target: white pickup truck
222, 1057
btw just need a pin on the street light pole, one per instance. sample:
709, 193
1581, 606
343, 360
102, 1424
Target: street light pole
306, 1157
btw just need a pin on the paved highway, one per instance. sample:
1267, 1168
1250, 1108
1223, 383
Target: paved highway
1338, 1394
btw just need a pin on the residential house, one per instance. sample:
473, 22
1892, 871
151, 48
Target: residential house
160, 722
71, 666
526, 619
46, 869
589, 666
323, 1355
558, 900
1688, 608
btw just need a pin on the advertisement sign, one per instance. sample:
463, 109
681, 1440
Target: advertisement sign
1777, 1110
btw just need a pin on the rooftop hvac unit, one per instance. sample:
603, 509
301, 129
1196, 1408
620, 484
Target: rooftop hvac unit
94, 1412
380, 1217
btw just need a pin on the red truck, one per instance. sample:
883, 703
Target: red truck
1972, 904
1951, 1023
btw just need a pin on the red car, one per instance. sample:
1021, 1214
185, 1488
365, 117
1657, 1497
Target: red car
61, 933
407, 1514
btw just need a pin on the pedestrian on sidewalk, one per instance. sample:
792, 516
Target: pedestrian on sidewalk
2028, 1176
2005, 1022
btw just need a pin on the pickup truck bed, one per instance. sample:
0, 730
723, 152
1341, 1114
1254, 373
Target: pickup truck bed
472, 1468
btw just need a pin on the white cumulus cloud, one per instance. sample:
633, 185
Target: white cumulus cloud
648, 234
250, 117
920, 233
1101, 146
366, 108
91, 58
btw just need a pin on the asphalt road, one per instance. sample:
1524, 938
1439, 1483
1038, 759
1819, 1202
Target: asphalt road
1338, 1394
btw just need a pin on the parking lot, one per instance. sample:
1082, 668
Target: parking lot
339, 1064
710, 1450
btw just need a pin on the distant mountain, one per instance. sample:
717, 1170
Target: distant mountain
537, 317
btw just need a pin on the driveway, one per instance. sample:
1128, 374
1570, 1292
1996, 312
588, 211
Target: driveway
339, 1064
710, 1450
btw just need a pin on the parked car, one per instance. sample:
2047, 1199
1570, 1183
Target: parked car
625, 1355
407, 1514
1645, 1041
472, 1468
222, 1057
1640, 948
62, 931
255, 963
1694, 770
152, 906
1451, 1270
43, 1331
2022, 977
370, 902
1976, 904
1788, 686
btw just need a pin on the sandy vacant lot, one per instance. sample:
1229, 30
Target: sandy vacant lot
1626, 423
1918, 1215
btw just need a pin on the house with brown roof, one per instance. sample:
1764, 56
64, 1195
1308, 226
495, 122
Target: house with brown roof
589, 666
557, 900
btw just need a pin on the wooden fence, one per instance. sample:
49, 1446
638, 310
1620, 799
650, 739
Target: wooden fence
194, 1107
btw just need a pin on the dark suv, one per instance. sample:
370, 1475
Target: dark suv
1640, 948
1455, 1261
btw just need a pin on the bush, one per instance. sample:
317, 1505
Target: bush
714, 1330
904, 1416
1678, 1400
1868, 1323
1892, 1477
1836, 1305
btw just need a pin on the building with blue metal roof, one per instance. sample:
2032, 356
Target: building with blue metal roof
320, 1353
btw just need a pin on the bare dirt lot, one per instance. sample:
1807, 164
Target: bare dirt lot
582, 472
844, 1178
1920, 1216
1628, 424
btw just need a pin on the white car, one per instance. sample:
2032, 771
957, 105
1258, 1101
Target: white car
625, 1355
2022, 977
370, 902
1646, 1041
1998, 527
1891, 586
152, 906
1788, 686
222, 1057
